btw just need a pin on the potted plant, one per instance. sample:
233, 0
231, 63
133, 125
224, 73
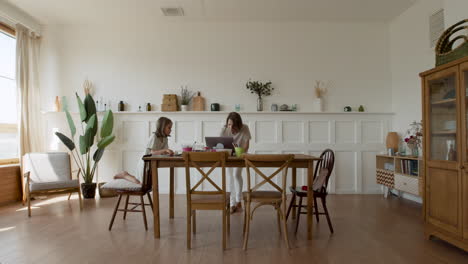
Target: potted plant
185, 98
413, 138
89, 132
260, 89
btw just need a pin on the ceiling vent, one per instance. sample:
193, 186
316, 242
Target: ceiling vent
172, 11
436, 27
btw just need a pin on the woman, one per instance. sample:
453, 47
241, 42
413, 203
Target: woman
157, 145
241, 134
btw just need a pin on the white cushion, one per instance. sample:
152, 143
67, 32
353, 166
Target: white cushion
43, 186
47, 167
121, 184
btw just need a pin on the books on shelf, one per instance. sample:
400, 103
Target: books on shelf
409, 167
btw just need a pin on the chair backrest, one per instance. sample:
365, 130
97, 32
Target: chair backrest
323, 170
147, 183
47, 167
282, 160
198, 160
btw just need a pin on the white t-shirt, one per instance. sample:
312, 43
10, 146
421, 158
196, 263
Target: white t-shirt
154, 143
240, 138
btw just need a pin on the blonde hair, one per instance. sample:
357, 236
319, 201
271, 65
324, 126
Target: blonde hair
162, 123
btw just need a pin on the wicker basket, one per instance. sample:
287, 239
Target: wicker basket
103, 193
444, 50
385, 177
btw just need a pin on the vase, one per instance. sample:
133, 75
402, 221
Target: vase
183, 108
88, 190
318, 105
259, 104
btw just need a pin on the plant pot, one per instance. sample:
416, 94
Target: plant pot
88, 190
184, 108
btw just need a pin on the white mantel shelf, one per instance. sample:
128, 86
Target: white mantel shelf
227, 112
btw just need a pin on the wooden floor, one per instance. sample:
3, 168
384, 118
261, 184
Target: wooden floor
368, 229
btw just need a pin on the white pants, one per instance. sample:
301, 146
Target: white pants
235, 175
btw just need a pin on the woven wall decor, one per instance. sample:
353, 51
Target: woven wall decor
445, 52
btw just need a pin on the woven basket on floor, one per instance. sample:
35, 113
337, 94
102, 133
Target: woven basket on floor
444, 50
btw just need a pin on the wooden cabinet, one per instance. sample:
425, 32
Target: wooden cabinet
445, 114
401, 173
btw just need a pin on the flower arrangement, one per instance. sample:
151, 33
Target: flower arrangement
320, 91
185, 95
259, 88
413, 136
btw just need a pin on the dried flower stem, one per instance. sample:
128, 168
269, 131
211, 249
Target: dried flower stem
319, 90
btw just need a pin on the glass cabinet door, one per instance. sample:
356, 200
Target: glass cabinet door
443, 118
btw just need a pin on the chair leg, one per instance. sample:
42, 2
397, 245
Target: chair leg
298, 214
150, 200
28, 198
224, 228
228, 212
80, 200
189, 226
245, 218
278, 218
324, 204
115, 212
126, 207
247, 225
69, 196
315, 207
194, 221
291, 205
285, 227
143, 210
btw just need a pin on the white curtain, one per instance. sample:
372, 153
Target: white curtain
28, 91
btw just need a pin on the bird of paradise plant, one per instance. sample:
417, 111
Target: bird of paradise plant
89, 129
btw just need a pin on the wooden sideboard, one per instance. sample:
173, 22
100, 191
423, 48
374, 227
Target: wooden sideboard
401, 173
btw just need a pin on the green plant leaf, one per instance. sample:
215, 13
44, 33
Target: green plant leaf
91, 124
81, 107
90, 107
105, 141
98, 154
70, 123
86, 141
107, 124
66, 141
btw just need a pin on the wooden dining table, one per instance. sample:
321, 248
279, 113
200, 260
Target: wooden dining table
172, 162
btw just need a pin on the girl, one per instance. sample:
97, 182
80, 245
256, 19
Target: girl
241, 134
157, 145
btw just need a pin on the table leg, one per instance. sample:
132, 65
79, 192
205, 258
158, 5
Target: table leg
154, 173
310, 199
294, 182
171, 193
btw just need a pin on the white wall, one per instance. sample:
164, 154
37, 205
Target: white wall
455, 11
410, 54
139, 63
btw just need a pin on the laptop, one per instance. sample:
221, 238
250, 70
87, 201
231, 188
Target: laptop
212, 142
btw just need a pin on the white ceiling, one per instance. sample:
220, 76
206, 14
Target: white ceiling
102, 11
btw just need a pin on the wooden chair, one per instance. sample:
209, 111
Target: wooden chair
124, 187
322, 174
48, 173
275, 198
206, 200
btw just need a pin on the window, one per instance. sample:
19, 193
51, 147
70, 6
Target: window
8, 114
